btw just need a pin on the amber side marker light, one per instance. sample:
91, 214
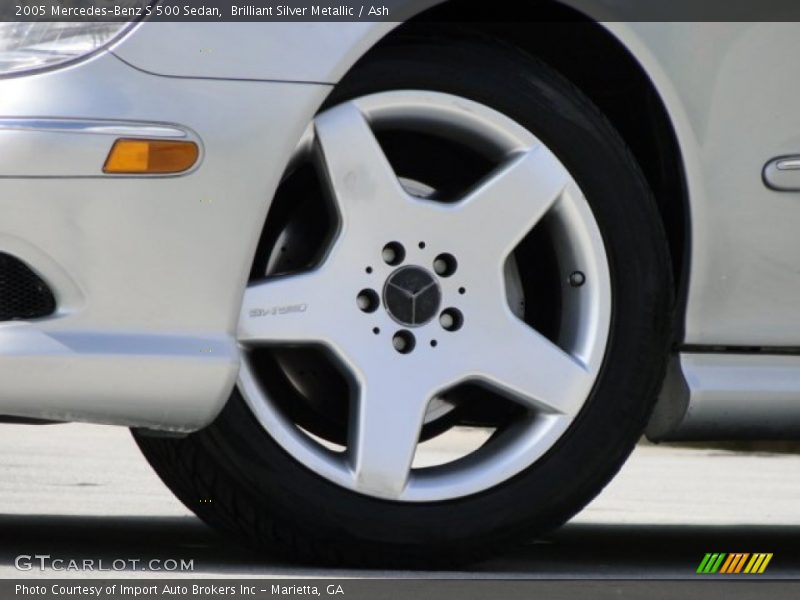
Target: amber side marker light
150, 157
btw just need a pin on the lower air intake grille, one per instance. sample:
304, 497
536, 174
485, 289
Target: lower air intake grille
23, 294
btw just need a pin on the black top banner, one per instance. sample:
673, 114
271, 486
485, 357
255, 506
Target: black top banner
399, 10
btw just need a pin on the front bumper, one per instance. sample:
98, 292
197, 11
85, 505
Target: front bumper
148, 272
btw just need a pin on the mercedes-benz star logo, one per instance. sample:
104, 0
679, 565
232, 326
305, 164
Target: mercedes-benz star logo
412, 296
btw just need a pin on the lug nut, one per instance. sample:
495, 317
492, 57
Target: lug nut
368, 300
404, 341
451, 319
445, 265
393, 253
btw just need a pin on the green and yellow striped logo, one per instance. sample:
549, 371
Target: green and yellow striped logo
734, 563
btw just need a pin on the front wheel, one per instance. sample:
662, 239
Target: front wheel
456, 324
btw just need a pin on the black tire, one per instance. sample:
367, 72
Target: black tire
235, 477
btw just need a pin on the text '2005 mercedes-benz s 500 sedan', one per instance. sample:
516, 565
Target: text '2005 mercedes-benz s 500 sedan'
299, 259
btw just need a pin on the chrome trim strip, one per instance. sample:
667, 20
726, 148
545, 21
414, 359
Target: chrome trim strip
95, 127
788, 164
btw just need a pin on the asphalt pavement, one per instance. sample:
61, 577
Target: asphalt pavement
84, 492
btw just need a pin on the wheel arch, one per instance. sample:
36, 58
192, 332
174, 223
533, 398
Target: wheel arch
601, 61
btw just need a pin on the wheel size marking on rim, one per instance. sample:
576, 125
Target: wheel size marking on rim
411, 299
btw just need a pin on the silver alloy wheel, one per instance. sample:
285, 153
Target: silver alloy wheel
396, 372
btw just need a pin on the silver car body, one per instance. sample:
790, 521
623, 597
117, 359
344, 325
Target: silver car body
149, 272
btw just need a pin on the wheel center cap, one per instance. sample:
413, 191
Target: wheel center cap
412, 296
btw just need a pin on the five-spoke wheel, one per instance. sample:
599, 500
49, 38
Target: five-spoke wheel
396, 265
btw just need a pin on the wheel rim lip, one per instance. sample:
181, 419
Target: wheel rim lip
580, 241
